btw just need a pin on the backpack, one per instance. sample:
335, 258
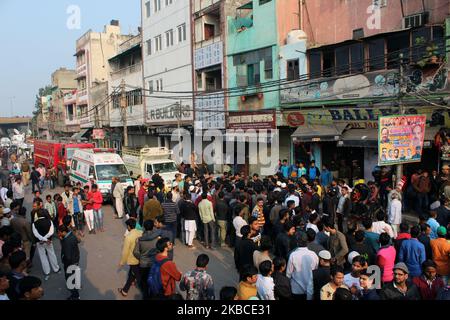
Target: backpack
154, 281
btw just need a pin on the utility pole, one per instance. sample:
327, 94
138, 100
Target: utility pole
123, 106
399, 172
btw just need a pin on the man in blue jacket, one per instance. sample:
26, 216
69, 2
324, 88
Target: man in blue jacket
412, 252
313, 171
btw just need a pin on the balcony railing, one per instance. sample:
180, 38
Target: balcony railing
129, 43
126, 71
200, 5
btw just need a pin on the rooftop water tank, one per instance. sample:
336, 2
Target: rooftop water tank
295, 36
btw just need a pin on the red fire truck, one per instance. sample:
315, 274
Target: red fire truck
56, 154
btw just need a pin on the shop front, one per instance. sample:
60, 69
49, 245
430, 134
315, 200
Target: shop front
345, 140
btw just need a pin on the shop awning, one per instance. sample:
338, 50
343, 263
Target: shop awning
80, 135
315, 133
367, 137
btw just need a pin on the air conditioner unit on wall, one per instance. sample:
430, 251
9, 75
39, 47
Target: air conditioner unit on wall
415, 20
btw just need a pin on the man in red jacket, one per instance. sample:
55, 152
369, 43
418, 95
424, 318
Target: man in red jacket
428, 283
96, 199
169, 272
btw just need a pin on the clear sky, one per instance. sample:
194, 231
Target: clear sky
35, 41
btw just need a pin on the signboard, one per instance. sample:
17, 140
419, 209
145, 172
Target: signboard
252, 120
360, 117
98, 134
209, 55
169, 114
210, 110
400, 139
375, 84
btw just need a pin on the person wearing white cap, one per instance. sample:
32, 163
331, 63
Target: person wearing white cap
321, 276
6, 220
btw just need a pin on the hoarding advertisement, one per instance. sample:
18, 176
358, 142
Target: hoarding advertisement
400, 139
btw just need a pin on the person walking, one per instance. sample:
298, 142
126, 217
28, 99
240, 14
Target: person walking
35, 180
145, 252
25, 173
118, 194
70, 257
129, 258
43, 231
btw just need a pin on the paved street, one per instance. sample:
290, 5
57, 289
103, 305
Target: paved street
100, 255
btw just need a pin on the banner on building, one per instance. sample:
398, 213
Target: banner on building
252, 120
400, 139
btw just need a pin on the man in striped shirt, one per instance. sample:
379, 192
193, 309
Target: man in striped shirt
170, 213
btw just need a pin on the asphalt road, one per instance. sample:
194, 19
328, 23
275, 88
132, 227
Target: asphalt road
100, 255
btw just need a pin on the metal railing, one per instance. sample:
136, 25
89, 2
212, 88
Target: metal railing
126, 71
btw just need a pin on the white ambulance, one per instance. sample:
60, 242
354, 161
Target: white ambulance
101, 165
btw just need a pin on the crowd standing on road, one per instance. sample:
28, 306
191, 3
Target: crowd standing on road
300, 234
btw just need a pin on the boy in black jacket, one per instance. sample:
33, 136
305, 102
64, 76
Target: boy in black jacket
70, 256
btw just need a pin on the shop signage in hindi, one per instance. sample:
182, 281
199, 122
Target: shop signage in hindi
400, 139
252, 120
360, 117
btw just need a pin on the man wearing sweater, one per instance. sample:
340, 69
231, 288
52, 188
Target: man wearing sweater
169, 271
70, 255
171, 213
412, 253
206, 212
43, 230
129, 258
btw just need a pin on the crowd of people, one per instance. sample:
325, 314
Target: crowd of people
299, 234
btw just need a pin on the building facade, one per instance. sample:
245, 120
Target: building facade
257, 32
361, 68
93, 50
126, 66
167, 66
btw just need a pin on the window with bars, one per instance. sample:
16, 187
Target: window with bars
147, 9
149, 46
181, 32
169, 38
157, 5
158, 43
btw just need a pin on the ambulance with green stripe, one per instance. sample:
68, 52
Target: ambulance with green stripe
102, 165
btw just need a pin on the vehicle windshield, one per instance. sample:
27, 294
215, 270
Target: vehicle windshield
108, 171
70, 152
165, 167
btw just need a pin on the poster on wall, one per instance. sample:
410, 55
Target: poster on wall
400, 139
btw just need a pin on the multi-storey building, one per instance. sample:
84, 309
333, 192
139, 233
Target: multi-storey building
256, 32
126, 66
93, 50
167, 65
354, 52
